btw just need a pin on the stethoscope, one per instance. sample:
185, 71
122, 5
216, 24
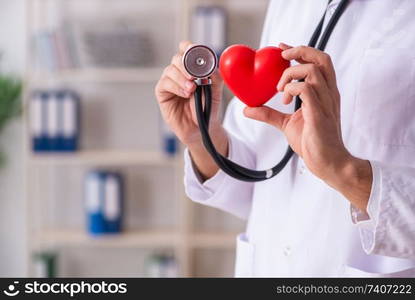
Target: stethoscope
200, 62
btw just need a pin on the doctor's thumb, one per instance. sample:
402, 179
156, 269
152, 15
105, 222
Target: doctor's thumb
267, 115
284, 46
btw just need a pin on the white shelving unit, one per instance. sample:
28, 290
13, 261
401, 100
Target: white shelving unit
48, 197
107, 158
144, 239
145, 75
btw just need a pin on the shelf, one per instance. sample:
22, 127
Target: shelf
105, 157
214, 240
145, 75
140, 239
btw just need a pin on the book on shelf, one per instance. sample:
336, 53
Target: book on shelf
79, 45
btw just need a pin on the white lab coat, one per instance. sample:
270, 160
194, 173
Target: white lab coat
298, 225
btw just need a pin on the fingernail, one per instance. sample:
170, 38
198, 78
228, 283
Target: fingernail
189, 85
284, 45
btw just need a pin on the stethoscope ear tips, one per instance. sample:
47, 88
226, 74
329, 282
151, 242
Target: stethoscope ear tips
200, 61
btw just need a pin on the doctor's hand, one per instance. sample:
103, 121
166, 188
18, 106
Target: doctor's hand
314, 131
174, 93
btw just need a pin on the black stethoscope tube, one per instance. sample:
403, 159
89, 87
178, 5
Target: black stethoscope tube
203, 111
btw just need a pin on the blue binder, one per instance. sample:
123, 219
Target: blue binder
69, 120
52, 121
38, 121
113, 205
104, 202
94, 197
55, 120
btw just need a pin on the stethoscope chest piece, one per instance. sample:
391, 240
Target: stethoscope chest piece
200, 62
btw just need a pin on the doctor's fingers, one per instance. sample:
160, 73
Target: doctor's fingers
268, 115
184, 45
177, 60
310, 73
167, 86
176, 75
304, 54
307, 95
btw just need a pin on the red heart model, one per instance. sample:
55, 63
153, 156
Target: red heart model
252, 75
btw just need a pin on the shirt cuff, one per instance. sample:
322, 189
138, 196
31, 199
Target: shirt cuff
368, 222
196, 189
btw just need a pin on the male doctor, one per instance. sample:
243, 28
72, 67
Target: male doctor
345, 203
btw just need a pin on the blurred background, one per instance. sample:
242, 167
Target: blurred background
91, 180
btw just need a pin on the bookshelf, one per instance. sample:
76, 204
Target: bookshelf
120, 132
107, 158
143, 239
128, 75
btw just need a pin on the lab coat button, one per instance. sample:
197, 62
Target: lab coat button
302, 170
287, 251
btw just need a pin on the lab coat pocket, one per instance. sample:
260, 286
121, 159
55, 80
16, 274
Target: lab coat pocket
385, 97
244, 266
354, 272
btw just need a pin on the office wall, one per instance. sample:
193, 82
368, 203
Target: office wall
12, 220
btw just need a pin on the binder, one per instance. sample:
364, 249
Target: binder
69, 121
60, 139
104, 202
38, 121
113, 203
55, 120
94, 197
52, 121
